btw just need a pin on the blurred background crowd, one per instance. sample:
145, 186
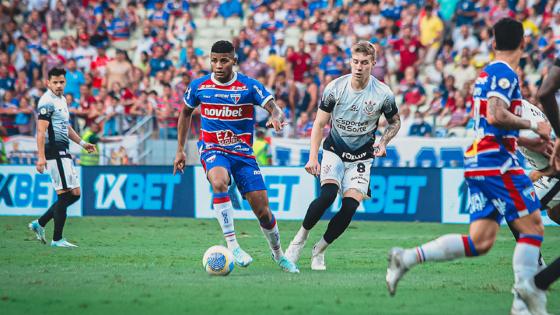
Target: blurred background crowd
126, 60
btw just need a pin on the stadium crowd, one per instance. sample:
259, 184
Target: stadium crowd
129, 59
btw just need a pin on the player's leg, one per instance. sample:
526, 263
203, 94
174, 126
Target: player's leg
355, 187
548, 275
218, 173
524, 265
554, 213
332, 173
482, 234
258, 199
68, 195
526, 218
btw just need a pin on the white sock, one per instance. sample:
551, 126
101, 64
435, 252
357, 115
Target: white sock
224, 213
320, 246
447, 247
301, 235
525, 256
272, 235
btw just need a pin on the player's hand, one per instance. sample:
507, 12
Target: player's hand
555, 156
538, 145
313, 167
90, 148
179, 163
379, 150
41, 165
543, 130
277, 120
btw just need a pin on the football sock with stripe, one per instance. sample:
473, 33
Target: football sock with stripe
446, 247
515, 234
525, 256
272, 235
223, 210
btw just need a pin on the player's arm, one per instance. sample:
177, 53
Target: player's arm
277, 118
313, 167
391, 113
42, 126
183, 126
546, 95
74, 136
498, 115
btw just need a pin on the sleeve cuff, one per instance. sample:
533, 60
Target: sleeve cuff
268, 98
188, 105
500, 96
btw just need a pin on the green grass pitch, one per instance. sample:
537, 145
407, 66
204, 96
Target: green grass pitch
129, 265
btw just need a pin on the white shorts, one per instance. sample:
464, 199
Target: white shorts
543, 186
63, 174
348, 175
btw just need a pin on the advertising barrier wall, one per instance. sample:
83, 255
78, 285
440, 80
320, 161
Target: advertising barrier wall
397, 194
137, 191
23, 191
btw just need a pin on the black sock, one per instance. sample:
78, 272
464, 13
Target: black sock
47, 216
548, 275
59, 213
341, 220
318, 207
516, 235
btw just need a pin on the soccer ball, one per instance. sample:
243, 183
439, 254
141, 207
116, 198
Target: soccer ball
218, 261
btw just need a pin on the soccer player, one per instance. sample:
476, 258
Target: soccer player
498, 186
53, 135
354, 103
547, 97
227, 101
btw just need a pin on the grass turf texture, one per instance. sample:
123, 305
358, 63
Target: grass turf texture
136, 266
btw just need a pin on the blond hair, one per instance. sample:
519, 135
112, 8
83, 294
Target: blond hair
366, 48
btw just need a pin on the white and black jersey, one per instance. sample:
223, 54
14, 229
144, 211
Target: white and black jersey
355, 116
60, 166
54, 109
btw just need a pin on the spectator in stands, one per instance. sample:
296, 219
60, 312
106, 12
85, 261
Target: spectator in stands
332, 64
498, 12
466, 12
24, 117
261, 148
84, 54
3, 155
230, 8
408, 48
459, 116
119, 70
419, 127
431, 33
252, 67
158, 62
413, 92
464, 72
465, 40
74, 79
159, 17
304, 126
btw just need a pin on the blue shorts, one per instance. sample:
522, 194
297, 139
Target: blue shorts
245, 171
496, 197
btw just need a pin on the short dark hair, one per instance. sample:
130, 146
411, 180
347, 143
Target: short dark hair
508, 34
223, 47
54, 72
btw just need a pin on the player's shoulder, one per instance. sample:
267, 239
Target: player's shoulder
339, 83
245, 79
45, 100
500, 69
378, 87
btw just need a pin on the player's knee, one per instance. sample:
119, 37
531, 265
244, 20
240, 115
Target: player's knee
554, 214
328, 194
483, 246
219, 185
